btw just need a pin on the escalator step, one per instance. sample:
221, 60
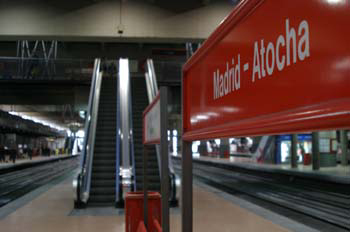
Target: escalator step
102, 191
103, 183
101, 200
102, 176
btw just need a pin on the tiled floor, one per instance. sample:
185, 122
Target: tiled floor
50, 212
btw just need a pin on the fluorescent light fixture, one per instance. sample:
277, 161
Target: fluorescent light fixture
37, 120
336, 1
82, 114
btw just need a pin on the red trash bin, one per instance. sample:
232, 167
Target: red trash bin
134, 210
307, 159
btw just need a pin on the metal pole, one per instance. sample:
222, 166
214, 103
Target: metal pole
145, 186
187, 188
164, 157
315, 151
344, 147
294, 150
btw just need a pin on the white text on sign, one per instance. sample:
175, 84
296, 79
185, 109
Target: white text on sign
266, 59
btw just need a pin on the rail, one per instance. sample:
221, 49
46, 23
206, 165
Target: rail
30, 69
84, 177
309, 195
132, 154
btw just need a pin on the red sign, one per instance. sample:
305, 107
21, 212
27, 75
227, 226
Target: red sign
151, 122
271, 67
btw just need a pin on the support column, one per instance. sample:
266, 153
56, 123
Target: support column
224, 147
164, 157
294, 151
344, 147
145, 186
315, 151
202, 148
187, 191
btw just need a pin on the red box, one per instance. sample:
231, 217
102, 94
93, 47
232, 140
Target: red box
307, 159
134, 210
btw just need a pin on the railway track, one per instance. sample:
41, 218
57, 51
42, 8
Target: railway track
328, 203
16, 183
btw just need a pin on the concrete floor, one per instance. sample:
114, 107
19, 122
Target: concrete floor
52, 211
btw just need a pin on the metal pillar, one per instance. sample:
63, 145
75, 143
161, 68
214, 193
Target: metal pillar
294, 151
315, 151
187, 188
145, 186
344, 147
224, 147
164, 157
202, 148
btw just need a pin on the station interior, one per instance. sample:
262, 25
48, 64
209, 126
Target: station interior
81, 82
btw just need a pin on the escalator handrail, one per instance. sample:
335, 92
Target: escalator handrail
132, 155
83, 187
88, 115
117, 144
92, 134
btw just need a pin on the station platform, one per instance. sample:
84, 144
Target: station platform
336, 174
52, 210
34, 160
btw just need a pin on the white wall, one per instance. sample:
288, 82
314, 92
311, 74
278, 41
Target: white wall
141, 21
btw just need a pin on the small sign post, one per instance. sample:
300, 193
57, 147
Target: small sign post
155, 131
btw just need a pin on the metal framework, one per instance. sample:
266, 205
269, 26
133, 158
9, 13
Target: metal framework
36, 53
191, 49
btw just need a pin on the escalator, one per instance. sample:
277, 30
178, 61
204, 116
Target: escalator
139, 104
103, 175
96, 183
106, 154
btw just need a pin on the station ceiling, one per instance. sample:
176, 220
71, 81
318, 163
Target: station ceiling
174, 6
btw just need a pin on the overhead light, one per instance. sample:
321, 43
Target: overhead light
37, 120
82, 114
336, 1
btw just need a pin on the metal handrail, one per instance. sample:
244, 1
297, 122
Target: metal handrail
132, 155
92, 135
117, 144
84, 177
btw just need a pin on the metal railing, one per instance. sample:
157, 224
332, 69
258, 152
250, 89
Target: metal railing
132, 153
17, 68
84, 177
118, 189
